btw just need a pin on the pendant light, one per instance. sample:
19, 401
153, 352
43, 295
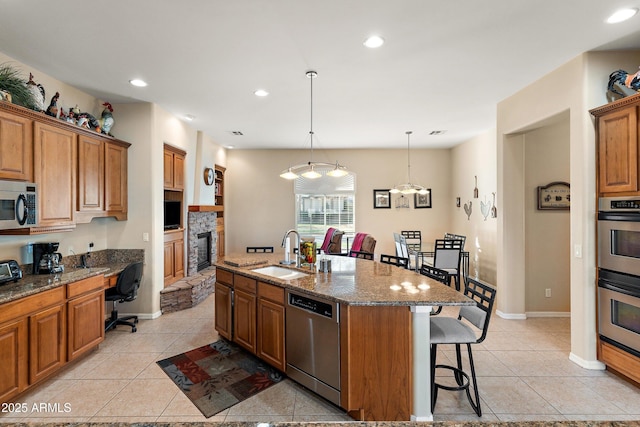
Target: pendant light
310, 170
408, 187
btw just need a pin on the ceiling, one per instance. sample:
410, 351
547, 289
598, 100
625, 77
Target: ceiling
444, 66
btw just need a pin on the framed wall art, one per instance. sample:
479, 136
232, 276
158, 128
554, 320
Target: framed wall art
381, 199
554, 196
422, 200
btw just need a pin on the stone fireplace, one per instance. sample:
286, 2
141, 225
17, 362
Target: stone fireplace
200, 273
200, 225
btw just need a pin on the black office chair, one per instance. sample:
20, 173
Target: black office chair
398, 261
126, 289
450, 330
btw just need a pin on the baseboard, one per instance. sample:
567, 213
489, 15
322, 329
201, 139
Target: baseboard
144, 316
547, 314
594, 365
511, 316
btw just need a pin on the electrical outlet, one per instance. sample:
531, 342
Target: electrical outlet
90, 247
145, 237
547, 292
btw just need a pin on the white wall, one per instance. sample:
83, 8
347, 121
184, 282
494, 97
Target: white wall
575, 87
476, 158
259, 205
547, 237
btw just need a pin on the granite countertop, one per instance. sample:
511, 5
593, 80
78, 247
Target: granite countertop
352, 281
31, 284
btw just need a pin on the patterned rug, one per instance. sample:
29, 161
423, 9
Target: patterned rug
219, 375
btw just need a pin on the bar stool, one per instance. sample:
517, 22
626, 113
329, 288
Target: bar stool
450, 330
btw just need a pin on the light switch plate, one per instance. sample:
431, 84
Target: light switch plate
577, 251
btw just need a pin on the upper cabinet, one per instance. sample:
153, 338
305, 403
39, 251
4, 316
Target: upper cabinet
173, 168
80, 174
617, 128
16, 147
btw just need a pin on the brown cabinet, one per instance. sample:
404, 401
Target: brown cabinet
14, 347
173, 256
47, 349
223, 310
173, 168
116, 180
85, 316
90, 174
244, 315
219, 202
16, 147
271, 346
54, 154
617, 128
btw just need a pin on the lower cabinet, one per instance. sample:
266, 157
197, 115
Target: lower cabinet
173, 256
271, 325
46, 342
14, 346
244, 316
40, 333
223, 310
85, 316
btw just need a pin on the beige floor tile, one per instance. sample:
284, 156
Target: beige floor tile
78, 369
278, 399
119, 419
191, 419
322, 418
151, 397
87, 397
608, 417
256, 418
181, 405
570, 396
512, 396
307, 403
462, 418
122, 366
627, 397
485, 362
530, 417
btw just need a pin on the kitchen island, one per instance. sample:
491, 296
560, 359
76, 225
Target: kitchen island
384, 369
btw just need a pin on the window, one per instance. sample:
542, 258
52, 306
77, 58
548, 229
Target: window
325, 202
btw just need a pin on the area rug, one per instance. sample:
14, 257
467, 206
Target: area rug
219, 375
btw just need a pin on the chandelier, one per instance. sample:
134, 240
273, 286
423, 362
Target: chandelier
310, 169
408, 187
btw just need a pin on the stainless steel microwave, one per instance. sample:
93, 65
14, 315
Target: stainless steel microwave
18, 204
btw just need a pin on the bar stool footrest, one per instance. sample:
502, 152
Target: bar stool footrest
462, 378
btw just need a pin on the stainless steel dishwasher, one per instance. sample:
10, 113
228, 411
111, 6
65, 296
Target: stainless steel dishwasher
313, 344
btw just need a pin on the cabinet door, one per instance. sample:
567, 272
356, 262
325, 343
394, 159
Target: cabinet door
168, 262
16, 147
168, 169
46, 342
178, 172
85, 323
54, 152
90, 174
116, 178
271, 333
178, 259
13, 359
223, 310
244, 320
220, 242
618, 151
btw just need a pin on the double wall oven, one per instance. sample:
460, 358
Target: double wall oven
619, 272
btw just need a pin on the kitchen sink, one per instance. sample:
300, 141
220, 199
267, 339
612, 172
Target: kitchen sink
280, 272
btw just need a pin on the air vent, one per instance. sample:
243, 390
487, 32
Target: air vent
236, 133
437, 132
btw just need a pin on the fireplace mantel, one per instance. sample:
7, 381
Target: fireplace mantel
205, 208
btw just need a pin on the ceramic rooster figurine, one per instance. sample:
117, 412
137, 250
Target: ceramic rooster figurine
106, 122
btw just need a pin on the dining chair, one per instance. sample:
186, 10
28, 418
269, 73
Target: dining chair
451, 236
413, 238
402, 250
394, 260
457, 331
361, 254
446, 256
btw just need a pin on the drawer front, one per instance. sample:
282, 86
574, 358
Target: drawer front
85, 285
224, 276
246, 284
31, 304
271, 292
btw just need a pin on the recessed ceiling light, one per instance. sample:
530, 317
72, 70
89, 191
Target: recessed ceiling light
230, 147
189, 117
621, 15
261, 92
374, 42
138, 82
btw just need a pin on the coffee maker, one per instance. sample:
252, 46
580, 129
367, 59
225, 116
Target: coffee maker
45, 258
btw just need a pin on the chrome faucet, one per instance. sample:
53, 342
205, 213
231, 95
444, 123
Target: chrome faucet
287, 261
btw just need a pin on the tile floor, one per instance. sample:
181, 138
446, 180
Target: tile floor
523, 372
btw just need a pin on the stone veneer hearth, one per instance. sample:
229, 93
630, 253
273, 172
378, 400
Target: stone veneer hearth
197, 285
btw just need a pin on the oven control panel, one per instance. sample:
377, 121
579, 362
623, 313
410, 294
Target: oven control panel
608, 204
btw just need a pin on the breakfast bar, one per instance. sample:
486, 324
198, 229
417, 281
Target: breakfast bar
381, 321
